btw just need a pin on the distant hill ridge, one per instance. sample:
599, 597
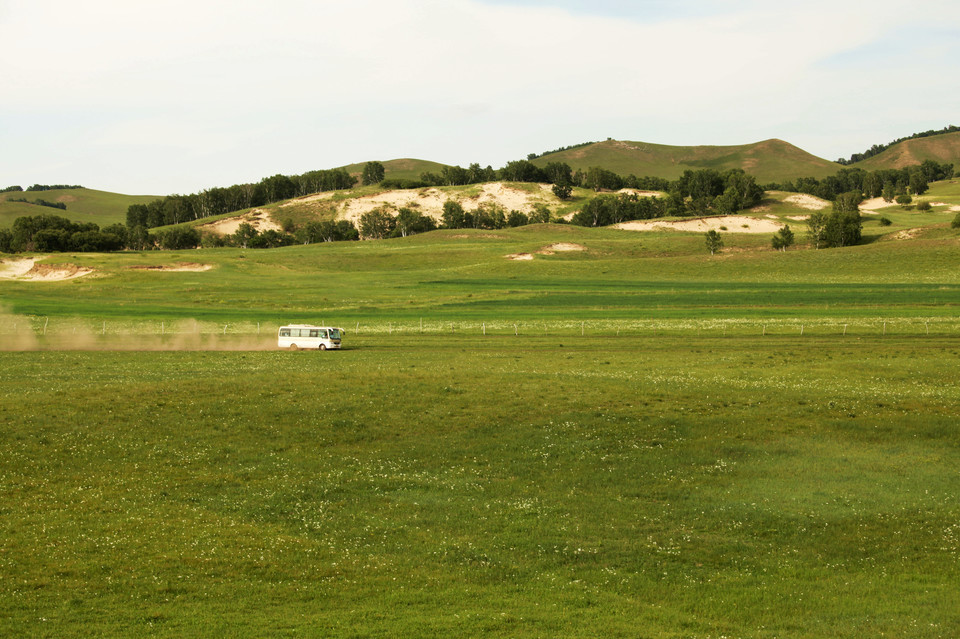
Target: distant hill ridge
943, 148
769, 161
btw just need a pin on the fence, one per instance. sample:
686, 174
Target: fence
26, 332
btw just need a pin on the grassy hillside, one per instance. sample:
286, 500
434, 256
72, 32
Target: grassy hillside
83, 205
400, 169
769, 161
940, 148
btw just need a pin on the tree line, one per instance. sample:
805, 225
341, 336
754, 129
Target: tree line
174, 209
41, 187
40, 202
51, 233
54, 234
886, 183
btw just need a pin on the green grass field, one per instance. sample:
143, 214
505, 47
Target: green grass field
648, 441
445, 485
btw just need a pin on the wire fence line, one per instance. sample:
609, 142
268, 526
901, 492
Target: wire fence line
50, 327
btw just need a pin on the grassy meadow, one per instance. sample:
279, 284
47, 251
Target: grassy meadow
510, 486
647, 441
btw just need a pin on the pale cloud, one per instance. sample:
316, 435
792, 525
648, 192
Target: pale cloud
304, 85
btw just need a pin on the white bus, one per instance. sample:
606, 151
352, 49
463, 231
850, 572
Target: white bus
297, 336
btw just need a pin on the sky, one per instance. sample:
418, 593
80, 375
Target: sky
178, 96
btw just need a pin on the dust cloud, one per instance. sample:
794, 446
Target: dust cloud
24, 333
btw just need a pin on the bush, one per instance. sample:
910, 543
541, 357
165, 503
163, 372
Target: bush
923, 206
885, 221
956, 222
903, 200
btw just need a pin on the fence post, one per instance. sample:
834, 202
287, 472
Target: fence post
46, 321
484, 329
801, 329
844, 330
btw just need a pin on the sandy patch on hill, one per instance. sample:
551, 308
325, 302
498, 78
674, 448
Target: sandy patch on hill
641, 193
29, 269
181, 267
798, 218
874, 204
908, 234
257, 218
733, 224
805, 201
309, 198
952, 208
559, 247
430, 201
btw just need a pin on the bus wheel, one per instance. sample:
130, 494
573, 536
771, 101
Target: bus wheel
323, 347
293, 347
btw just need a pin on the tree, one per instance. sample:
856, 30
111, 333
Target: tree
714, 242
410, 222
244, 233
541, 214
889, 191
517, 218
179, 238
138, 238
455, 175
918, 182
904, 200
562, 191
558, 173
373, 173
376, 224
453, 216
816, 227
782, 239
844, 226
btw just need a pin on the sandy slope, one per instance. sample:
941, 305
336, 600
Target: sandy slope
29, 269
733, 224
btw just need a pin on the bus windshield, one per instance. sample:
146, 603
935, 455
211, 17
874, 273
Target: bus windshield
334, 333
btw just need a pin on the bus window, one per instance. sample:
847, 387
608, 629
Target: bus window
323, 333
334, 333
284, 332
314, 333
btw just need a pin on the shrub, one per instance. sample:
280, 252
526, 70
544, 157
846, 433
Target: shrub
885, 221
956, 222
923, 206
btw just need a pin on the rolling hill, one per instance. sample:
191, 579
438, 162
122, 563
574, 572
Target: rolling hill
939, 148
399, 169
770, 160
83, 205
